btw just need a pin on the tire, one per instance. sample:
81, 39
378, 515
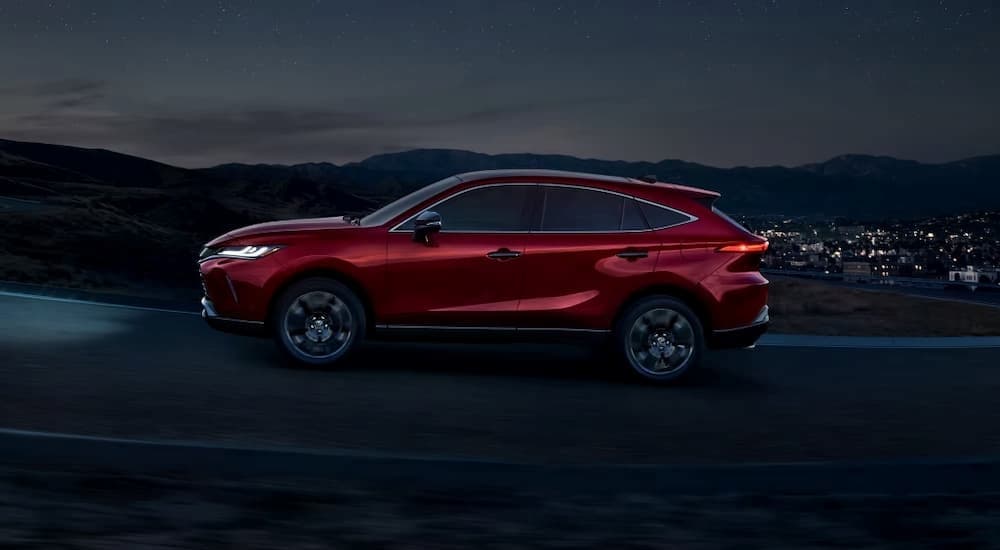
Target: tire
659, 339
318, 322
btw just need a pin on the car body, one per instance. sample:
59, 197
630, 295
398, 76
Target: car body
512, 253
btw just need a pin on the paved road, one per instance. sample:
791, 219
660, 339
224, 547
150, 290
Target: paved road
106, 371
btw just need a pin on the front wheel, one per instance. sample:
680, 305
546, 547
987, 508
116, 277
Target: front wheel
318, 321
660, 338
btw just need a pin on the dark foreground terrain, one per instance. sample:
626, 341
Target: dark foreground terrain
90, 369
104, 509
150, 374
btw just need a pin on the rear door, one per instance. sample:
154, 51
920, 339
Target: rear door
588, 249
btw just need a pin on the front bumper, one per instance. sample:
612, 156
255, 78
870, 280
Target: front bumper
741, 337
226, 324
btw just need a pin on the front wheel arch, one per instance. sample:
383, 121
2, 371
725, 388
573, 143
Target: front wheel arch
334, 306
324, 273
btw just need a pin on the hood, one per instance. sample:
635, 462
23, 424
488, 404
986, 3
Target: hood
286, 226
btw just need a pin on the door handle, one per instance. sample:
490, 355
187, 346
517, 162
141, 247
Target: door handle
632, 254
503, 254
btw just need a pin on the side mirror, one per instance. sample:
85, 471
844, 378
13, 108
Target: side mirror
427, 222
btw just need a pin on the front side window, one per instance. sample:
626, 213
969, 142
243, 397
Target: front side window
581, 210
406, 202
496, 208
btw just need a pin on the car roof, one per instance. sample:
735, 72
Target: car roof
580, 176
531, 173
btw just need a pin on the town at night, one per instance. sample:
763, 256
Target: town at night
960, 248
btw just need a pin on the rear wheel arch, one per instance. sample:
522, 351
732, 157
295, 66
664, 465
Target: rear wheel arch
688, 297
659, 337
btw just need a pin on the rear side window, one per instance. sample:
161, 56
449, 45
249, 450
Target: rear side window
583, 210
659, 217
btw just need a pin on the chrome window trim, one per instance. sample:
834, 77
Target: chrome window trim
690, 217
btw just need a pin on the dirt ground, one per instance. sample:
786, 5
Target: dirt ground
810, 307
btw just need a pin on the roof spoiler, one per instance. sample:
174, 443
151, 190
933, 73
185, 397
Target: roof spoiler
703, 196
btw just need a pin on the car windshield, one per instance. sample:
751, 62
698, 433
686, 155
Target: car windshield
388, 212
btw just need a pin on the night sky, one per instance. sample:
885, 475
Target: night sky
198, 82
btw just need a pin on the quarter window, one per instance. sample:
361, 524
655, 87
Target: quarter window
659, 217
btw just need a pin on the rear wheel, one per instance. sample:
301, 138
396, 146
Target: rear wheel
318, 321
660, 338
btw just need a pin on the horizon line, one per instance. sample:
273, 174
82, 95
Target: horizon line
582, 158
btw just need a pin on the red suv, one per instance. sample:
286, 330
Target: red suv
515, 253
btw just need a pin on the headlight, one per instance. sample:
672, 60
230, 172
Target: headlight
249, 252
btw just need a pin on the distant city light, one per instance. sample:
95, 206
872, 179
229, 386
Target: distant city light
927, 248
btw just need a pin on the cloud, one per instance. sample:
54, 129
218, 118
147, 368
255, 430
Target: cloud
66, 93
75, 101
68, 87
239, 125
55, 88
73, 114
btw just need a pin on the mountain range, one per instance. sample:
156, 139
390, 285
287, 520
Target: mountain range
108, 215
856, 186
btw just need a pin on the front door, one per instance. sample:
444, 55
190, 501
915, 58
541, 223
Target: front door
470, 273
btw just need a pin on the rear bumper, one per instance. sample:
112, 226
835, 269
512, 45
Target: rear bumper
741, 337
226, 324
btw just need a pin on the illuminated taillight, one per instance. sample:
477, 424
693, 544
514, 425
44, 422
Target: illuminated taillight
747, 256
745, 248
